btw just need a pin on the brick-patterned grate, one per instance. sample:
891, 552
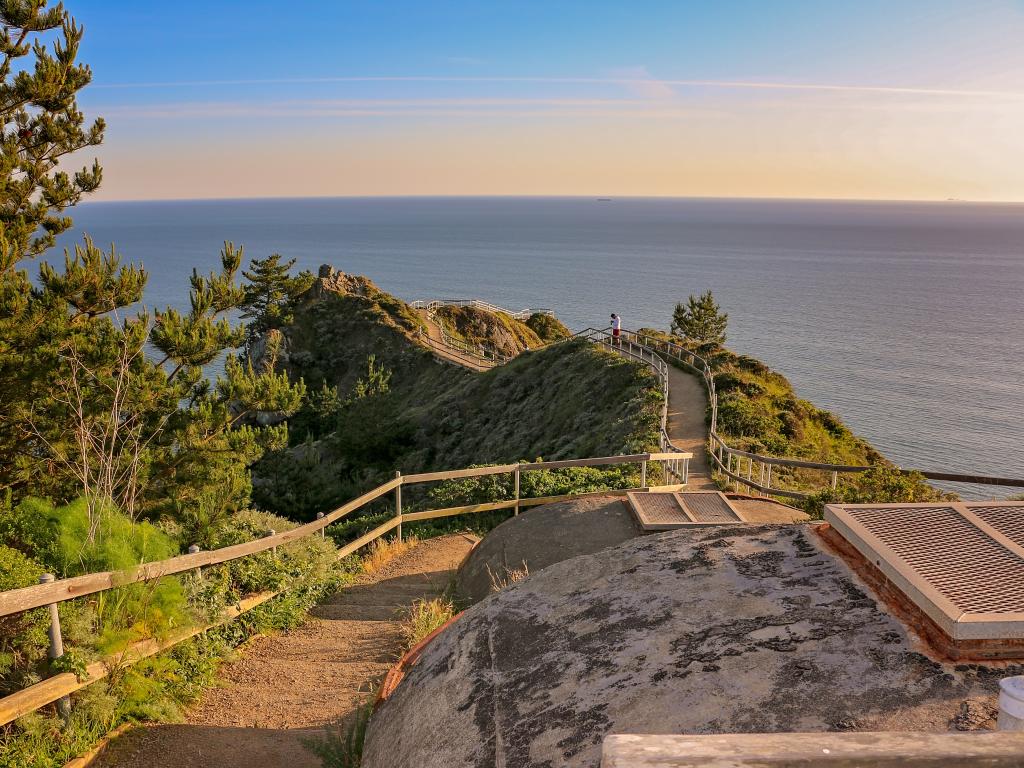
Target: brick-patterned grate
962, 563
660, 508
709, 508
1008, 520
658, 511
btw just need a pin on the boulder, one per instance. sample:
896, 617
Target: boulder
725, 630
542, 536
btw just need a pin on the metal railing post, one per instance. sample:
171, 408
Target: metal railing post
835, 479
272, 532
56, 643
398, 503
515, 485
643, 474
323, 531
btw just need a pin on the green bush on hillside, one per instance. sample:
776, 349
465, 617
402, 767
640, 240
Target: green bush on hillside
547, 327
880, 484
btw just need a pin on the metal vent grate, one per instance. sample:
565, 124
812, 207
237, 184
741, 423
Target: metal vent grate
657, 511
963, 564
1007, 520
710, 507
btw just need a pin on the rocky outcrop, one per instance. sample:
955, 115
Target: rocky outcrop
735, 629
541, 537
331, 280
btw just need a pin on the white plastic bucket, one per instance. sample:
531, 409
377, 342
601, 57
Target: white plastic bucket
1011, 703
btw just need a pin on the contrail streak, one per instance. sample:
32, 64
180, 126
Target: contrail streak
728, 84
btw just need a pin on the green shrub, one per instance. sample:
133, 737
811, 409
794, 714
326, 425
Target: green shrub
547, 327
881, 484
23, 640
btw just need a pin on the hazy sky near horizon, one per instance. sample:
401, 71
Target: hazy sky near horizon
877, 100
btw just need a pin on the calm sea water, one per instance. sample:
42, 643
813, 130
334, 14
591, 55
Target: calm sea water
907, 319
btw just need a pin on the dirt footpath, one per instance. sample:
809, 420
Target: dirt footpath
286, 688
687, 404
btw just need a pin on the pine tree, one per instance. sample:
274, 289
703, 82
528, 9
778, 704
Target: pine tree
86, 409
270, 294
701, 321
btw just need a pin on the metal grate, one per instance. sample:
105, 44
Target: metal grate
657, 511
963, 564
1007, 520
709, 507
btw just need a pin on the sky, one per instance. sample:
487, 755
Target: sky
826, 99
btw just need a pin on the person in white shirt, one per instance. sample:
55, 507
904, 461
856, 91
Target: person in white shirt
616, 328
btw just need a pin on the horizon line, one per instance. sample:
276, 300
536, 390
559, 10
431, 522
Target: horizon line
595, 197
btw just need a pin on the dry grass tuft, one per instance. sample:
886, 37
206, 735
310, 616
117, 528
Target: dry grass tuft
384, 550
511, 576
424, 617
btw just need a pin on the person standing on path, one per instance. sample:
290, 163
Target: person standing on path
616, 328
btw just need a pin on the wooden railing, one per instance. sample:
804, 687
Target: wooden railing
522, 314
51, 593
758, 478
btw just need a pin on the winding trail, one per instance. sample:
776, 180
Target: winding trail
286, 688
687, 403
446, 352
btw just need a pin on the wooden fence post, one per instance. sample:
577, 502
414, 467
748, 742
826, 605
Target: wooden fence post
272, 532
398, 504
643, 474
56, 643
515, 484
323, 531
835, 479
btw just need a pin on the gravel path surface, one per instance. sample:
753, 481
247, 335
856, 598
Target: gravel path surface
687, 403
286, 688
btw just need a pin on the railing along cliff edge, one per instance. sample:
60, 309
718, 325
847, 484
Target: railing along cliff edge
729, 461
57, 687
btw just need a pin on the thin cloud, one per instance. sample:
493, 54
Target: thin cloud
480, 107
629, 82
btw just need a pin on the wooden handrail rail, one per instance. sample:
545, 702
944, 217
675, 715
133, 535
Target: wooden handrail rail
57, 687
701, 366
18, 600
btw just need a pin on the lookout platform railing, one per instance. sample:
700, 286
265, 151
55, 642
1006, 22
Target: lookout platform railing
433, 305
758, 476
746, 469
50, 592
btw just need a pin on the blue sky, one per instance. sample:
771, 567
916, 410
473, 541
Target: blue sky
557, 97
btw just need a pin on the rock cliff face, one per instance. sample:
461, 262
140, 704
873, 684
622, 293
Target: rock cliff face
740, 629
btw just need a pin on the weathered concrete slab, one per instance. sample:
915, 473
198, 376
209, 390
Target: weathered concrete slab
816, 750
735, 629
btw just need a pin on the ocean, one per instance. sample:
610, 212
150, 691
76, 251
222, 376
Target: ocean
905, 319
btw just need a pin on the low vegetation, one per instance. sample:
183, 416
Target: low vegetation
759, 412
424, 617
380, 402
383, 551
494, 331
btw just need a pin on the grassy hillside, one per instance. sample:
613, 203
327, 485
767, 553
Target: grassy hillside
495, 331
379, 401
759, 411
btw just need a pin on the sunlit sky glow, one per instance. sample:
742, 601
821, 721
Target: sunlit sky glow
875, 100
